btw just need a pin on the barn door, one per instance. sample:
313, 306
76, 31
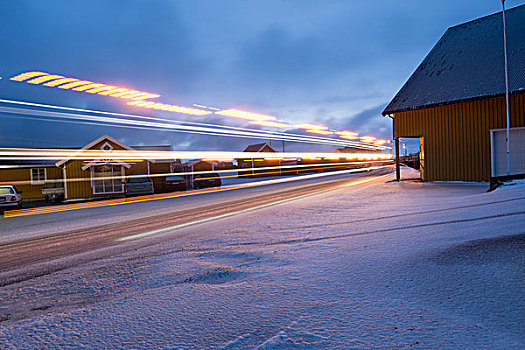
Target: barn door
499, 158
422, 158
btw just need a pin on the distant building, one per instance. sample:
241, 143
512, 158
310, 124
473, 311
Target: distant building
454, 102
259, 162
161, 166
84, 178
350, 149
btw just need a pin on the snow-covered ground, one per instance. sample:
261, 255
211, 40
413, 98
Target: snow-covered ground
388, 266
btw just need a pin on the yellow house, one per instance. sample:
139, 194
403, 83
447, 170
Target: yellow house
85, 179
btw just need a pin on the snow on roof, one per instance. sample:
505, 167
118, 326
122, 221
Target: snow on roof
468, 63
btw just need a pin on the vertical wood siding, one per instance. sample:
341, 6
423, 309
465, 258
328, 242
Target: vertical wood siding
457, 136
21, 179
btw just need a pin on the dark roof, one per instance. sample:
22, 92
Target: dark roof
257, 147
28, 163
167, 148
468, 63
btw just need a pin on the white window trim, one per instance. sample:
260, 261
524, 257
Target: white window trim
106, 144
122, 174
38, 182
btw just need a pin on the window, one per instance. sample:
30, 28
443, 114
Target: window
6, 190
106, 147
38, 176
107, 179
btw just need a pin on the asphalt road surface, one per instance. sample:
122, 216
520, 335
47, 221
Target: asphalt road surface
54, 238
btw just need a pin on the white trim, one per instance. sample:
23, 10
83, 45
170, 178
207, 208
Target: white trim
65, 181
107, 144
492, 165
93, 143
108, 162
38, 182
505, 129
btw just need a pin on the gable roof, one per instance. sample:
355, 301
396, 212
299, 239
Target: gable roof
93, 143
257, 147
468, 63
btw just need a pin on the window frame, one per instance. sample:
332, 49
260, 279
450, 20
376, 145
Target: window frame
38, 181
121, 179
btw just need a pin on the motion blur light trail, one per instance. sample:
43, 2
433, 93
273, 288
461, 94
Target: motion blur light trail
148, 198
53, 80
149, 123
138, 100
277, 170
89, 154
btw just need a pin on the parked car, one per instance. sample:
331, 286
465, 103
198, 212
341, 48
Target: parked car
53, 191
10, 197
173, 183
207, 180
139, 185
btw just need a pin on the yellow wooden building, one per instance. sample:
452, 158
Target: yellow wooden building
454, 102
85, 178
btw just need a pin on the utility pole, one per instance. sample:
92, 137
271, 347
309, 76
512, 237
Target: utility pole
506, 87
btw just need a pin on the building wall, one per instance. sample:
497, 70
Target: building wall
79, 181
21, 179
457, 136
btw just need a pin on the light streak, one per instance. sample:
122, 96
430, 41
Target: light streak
44, 78
27, 75
367, 139
263, 169
74, 84
148, 198
59, 154
53, 80
245, 115
171, 108
311, 126
348, 135
100, 89
60, 81
207, 107
88, 86
66, 83
114, 119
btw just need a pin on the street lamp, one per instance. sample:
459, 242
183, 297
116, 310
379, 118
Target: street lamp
506, 87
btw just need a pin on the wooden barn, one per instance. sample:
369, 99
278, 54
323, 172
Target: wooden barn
454, 102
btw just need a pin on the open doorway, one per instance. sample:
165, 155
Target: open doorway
412, 154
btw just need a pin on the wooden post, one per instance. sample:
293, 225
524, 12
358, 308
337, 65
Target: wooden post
396, 141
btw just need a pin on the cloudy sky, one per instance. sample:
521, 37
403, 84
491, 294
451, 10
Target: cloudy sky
333, 62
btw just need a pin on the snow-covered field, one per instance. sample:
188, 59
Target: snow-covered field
388, 266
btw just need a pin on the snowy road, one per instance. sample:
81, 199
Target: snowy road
376, 266
52, 240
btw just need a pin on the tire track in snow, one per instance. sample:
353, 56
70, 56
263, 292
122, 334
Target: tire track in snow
317, 239
394, 216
